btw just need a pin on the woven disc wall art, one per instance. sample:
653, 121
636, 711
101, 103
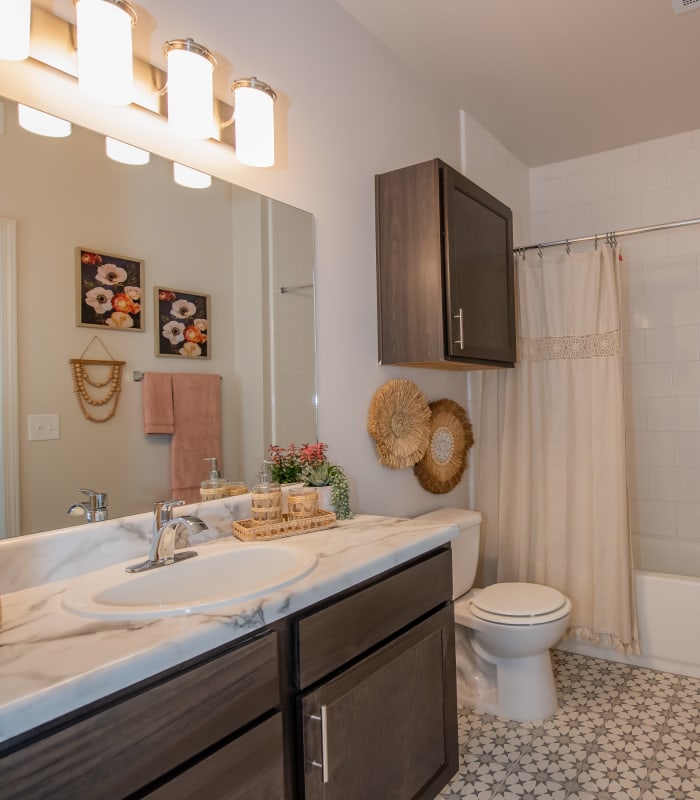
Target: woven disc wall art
445, 460
399, 422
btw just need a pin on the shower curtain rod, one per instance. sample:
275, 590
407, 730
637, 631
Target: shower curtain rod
608, 235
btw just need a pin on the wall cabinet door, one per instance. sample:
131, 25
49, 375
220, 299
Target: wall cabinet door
479, 297
385, 729
445, 288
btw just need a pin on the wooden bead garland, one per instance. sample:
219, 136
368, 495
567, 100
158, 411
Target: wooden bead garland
82, 381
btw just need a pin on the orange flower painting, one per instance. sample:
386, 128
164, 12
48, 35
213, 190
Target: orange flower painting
182, 323
109, 291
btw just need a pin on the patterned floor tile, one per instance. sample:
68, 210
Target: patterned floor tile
621, 733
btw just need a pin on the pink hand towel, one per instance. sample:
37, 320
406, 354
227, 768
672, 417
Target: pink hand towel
157, 402
197, 416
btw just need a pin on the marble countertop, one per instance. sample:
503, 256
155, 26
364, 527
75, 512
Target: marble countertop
52, 661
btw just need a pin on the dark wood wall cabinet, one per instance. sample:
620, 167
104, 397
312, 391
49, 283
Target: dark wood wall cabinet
445, 287
354, 697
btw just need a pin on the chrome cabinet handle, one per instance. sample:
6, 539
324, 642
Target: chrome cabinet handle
460, 317
324, 742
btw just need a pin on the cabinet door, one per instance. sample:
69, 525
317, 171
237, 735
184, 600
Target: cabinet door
386, 728
479, 301
409, 265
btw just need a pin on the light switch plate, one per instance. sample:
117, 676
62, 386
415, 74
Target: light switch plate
43, 426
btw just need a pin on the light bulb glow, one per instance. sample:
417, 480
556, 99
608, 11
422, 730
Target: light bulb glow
190, 92
255, 124
125, 153
35, 121
105, 58
15, 18
192, 178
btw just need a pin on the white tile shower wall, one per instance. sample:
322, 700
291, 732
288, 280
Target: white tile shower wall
646, 184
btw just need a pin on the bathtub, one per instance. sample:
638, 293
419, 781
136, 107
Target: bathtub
667, 586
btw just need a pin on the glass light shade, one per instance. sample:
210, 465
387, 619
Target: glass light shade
254, 119
15, 18
105, 57
42, 123
192, 178
125, 153
190, 89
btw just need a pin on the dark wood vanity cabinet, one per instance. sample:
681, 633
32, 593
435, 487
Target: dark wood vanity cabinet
378, 696
445, 286
353, 698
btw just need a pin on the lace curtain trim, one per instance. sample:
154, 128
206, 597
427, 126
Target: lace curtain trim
609, 640
594, 345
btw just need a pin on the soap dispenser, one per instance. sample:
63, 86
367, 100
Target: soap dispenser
215, 487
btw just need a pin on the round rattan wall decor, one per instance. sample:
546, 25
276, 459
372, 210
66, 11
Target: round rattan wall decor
399, 422
445, 460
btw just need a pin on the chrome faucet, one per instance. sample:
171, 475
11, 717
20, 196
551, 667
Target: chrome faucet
94, 509
164, 531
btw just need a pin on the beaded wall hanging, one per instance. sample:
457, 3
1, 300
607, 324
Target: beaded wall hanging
102, 387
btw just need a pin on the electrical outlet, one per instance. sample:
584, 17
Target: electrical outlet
43, 426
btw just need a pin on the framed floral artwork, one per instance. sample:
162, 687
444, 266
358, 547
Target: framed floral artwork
109, 291
182, 323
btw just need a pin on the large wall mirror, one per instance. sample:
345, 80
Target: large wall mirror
236, 246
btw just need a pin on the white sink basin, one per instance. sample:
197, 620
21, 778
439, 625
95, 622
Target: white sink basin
220, 575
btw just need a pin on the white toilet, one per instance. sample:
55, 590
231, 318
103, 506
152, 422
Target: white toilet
503, 632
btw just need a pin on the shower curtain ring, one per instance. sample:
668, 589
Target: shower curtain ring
596, 241
568, 248
539, 250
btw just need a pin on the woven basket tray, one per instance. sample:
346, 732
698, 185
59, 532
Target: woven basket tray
248, 531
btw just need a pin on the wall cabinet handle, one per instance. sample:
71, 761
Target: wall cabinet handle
323, 719
460, 317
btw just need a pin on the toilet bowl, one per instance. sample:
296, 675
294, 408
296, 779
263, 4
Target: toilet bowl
502, 633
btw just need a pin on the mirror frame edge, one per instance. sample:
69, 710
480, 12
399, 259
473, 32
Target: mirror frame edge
9, 405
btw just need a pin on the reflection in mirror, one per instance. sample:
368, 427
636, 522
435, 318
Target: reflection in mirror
232, 244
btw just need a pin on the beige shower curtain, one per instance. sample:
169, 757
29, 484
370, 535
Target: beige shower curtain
551, 476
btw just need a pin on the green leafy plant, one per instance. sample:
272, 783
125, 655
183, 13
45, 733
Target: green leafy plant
340, 492
285, 463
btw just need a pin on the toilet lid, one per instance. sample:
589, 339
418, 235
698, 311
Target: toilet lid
517, 601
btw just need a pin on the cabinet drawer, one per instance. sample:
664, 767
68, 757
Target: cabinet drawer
250, 768
334, 635
116, 751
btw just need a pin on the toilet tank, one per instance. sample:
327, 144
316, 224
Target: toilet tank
465, 547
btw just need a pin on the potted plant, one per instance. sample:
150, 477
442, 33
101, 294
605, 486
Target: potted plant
310, 464
285, 464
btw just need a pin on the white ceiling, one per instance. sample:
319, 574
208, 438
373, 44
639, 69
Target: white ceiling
551, 79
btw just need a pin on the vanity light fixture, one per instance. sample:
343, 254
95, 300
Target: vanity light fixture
125, 153
190, 88
192, 110
15, 18
105, 53
253, 116
191, 178
35, 121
